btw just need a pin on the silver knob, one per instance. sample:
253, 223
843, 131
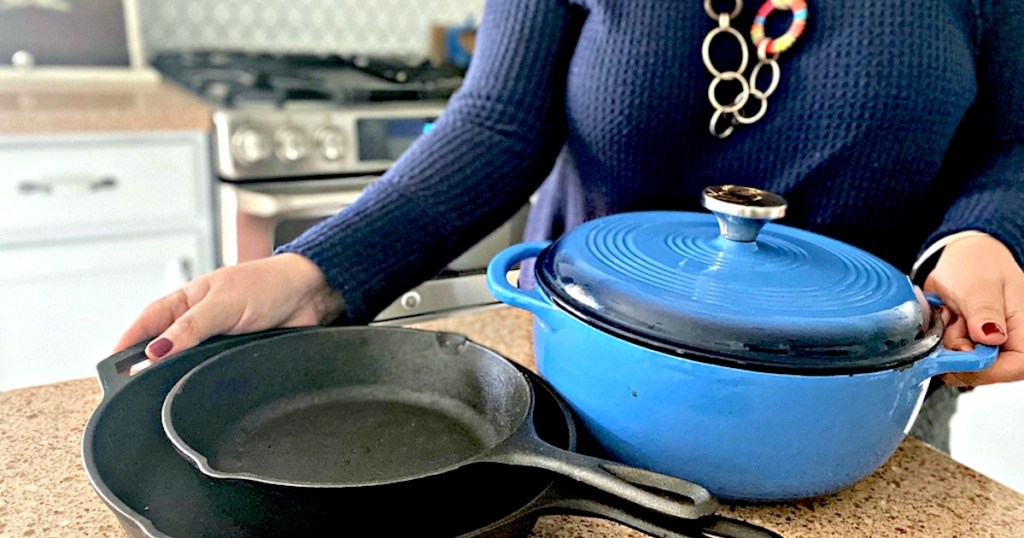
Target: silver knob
292, 144
23, 59
330, 142
411, 300
249, 145
742, 211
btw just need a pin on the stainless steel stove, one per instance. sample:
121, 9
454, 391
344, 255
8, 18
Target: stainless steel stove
287, 116
298, 137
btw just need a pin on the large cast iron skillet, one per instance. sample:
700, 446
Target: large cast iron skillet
154, 492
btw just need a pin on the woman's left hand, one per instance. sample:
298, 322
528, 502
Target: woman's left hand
982, 286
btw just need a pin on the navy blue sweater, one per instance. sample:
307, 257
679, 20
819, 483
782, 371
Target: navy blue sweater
896, 122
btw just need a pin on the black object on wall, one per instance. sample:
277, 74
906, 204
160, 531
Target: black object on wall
64, 32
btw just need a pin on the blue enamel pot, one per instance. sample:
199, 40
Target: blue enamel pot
761, 361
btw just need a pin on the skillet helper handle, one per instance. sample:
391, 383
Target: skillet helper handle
114, 371
660, 493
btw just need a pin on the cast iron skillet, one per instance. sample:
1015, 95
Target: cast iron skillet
154, 492
372, 407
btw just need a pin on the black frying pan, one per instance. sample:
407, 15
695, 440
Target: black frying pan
370, 407
155, 493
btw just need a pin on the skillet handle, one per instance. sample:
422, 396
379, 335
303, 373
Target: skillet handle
657, 492
565, 498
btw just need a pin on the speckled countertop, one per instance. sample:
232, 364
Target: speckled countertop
34, 107
920, 492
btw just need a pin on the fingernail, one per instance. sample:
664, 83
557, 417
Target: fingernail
991, 328
159, 347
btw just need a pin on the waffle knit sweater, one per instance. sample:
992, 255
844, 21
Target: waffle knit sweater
896, 122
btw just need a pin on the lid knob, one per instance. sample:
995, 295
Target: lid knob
742, 211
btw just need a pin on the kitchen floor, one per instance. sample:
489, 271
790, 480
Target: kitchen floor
987, 432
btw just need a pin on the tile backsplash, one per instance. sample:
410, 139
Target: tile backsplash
340, 26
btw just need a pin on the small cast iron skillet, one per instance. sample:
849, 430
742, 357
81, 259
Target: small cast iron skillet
155, 493
371, 407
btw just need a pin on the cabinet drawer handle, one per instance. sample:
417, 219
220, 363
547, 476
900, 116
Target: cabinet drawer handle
107, 183
73, 185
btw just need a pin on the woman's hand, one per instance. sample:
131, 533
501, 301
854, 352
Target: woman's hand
983, 288
286, 290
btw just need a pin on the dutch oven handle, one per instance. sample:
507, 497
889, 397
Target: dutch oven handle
567, 498
497, 278
945, 361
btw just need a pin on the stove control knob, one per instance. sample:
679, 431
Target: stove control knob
411, 300
249, 145
330, 142
291, 144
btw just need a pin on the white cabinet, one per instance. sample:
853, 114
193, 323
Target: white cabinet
92, 229
88, 187
64, 306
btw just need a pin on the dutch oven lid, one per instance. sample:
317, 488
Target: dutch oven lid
730, 289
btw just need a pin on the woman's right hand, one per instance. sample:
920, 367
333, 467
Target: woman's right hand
285, 290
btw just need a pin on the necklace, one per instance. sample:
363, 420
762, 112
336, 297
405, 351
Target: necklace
768, 50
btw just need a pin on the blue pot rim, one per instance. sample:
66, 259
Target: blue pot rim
630, 275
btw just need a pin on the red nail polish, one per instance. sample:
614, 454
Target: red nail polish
991, 328
160, 347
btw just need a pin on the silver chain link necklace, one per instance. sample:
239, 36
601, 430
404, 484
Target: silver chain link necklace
737, 113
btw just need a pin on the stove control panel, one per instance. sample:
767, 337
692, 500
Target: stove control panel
261, 144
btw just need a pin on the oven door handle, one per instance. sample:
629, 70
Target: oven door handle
276, 205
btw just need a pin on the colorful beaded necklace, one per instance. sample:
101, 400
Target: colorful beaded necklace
768, 50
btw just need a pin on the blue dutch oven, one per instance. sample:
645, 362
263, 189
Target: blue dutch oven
761, 361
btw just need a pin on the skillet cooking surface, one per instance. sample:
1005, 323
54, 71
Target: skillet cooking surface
345, 407
385, 436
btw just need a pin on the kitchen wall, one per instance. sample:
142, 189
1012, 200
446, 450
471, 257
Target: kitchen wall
344, 26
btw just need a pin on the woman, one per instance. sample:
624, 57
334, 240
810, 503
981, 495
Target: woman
893, 125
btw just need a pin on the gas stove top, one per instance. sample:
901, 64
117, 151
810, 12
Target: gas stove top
285, 116
240, 79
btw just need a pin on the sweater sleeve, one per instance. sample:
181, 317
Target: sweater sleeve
492, 147
991, 197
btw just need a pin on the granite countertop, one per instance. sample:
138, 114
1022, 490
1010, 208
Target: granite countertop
33, 107
919, 492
